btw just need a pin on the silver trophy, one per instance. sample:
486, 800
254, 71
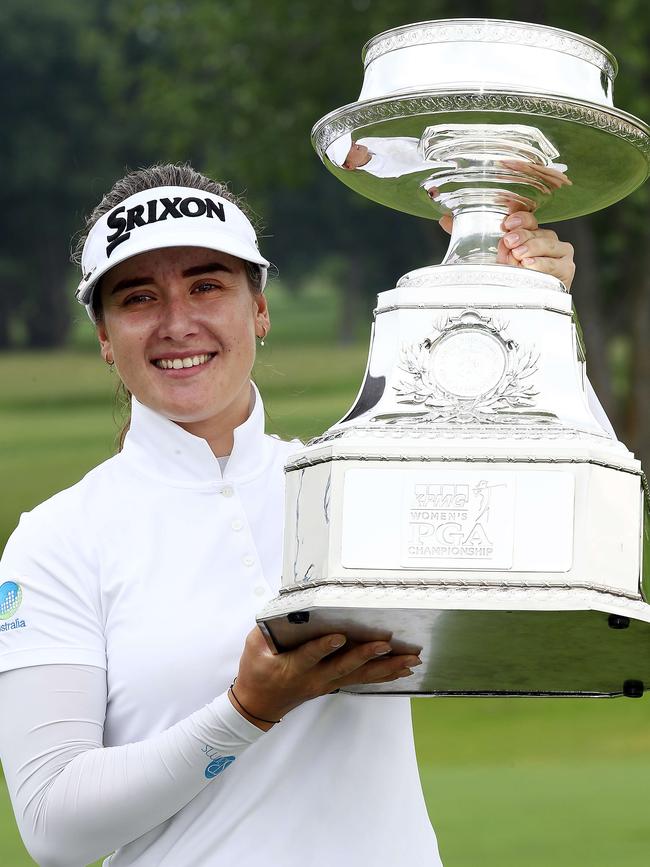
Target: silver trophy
473, 504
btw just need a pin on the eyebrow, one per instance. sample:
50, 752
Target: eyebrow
195, 270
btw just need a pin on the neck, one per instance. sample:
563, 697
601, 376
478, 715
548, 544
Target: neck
219, 431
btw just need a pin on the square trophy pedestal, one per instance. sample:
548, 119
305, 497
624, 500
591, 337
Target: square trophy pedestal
391, 549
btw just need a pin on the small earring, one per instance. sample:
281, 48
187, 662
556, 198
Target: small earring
110, 361
263, 336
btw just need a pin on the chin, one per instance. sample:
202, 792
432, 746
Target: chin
189, 415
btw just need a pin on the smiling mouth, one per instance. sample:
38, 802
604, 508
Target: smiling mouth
186, 361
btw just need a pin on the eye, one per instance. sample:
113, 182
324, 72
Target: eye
206, 286
138, 298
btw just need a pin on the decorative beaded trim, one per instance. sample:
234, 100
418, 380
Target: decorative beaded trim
508, 32
352, 117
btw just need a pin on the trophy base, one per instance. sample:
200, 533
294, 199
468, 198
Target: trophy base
481, 641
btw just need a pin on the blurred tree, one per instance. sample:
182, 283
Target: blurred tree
236, 87
58, 142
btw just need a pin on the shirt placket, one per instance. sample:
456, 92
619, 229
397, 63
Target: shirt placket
244, 545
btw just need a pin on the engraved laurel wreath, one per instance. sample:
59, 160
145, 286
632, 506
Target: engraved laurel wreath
510, 391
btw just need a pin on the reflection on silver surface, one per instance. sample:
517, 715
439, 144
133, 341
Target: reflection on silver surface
475, 503
478, 641
480, 173
380, 157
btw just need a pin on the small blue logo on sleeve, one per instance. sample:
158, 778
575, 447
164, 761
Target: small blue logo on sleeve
11, 595
218, 765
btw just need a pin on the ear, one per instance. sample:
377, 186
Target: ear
262, 318
105, 346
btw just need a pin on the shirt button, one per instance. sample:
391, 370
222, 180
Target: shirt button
249, 561
237, 525
227, 491
259, 591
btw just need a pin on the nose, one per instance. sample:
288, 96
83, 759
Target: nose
177, 319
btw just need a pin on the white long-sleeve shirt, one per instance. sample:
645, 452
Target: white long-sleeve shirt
126, 602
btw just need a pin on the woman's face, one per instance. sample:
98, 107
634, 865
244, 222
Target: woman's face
180, 325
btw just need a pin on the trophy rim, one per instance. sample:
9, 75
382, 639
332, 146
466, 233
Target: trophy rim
321, 141
607, 64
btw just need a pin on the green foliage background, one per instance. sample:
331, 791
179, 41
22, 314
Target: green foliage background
235, 87
93, 87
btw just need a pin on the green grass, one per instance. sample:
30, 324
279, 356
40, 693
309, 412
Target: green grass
508, 783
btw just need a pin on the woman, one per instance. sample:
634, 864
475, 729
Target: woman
133, 591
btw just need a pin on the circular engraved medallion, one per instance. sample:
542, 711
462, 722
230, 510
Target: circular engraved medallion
468, 362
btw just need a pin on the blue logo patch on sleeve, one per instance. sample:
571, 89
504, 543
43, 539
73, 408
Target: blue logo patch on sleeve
11, 595
218, 765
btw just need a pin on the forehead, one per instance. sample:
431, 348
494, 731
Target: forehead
155, 263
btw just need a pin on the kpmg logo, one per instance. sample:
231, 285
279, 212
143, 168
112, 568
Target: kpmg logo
11, 595
156, 211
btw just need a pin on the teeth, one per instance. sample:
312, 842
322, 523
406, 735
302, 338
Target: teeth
178, 363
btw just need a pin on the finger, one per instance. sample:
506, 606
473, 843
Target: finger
552, 176
308, 655
543, 247
361, 676
520, 219
502, 253
555, 267
376, 669
446, 223
351, 660
547, 246
543, 242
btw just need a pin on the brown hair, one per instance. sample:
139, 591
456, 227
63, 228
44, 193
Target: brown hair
161, 175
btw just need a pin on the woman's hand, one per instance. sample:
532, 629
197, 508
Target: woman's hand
269, 685
528, 246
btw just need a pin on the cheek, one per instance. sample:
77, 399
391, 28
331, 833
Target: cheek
127, 345
241, 336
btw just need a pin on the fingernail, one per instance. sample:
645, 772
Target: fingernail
337, 641
382, 649
405, 672
413, 662
528, 261
511, 239
521, 250
513, 222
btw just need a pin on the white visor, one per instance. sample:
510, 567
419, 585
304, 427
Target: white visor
165, 217
338, 151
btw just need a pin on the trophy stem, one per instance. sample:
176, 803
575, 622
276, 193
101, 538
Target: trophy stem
477, 228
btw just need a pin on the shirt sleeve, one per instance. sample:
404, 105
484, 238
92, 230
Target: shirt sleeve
50, 609
76, 800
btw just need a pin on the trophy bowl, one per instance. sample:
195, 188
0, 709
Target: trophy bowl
487, 73
474, 504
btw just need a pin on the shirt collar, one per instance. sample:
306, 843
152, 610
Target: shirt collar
162, 448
